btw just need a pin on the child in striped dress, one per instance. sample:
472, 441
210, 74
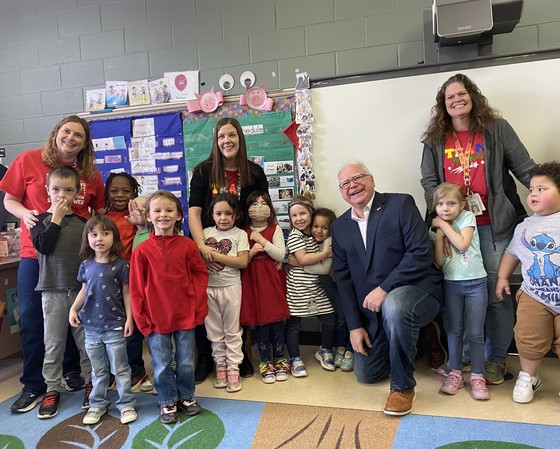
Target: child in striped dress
304, 293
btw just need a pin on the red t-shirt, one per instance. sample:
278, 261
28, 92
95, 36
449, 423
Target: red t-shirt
453, 172
127, 231
26, 179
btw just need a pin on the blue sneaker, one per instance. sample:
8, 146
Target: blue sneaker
297, 367
326, 358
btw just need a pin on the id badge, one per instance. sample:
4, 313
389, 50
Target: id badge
475, 204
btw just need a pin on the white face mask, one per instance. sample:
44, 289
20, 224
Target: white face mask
259, 212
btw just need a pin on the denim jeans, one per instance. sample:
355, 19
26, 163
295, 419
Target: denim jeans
499, 314
178, 384
404, 311
107, 352
465, 305
341, 330
31, 326
134, 348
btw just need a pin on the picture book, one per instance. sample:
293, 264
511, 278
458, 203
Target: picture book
183, 85
116, 93
95, 100
159, 91
138, 92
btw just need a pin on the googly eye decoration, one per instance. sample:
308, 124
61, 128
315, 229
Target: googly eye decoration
226, 82
247, 79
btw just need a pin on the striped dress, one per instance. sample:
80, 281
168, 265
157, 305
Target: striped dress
304, 293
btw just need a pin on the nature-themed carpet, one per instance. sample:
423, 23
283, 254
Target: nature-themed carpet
242, 424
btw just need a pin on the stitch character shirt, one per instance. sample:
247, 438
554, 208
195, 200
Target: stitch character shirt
536, 243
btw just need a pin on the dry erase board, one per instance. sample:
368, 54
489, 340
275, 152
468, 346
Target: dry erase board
381, 123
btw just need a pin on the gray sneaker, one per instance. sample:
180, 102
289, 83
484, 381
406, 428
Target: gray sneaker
494, 372
94, 414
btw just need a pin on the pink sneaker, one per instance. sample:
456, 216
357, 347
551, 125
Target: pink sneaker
452, 383
479, 389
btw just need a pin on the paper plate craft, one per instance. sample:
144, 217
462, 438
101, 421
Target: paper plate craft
207, 101
256, 98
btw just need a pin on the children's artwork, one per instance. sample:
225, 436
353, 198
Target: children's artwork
117, 93
138, 93
95, 100
182, 85
159, 91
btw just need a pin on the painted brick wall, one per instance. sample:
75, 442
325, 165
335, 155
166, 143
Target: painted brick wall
51, 51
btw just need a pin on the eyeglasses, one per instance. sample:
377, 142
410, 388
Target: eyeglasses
356, 179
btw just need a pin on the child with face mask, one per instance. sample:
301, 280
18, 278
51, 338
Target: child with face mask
263, 303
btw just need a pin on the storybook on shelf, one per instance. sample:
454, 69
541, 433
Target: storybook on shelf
116, 94
138, 92
95, 100
159, 91
182, 85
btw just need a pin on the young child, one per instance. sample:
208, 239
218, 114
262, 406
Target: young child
103, 309
56, 236
120, 190
536, 244
464, 287
321, 232
263, 303
304, 293
168, 281
231, 250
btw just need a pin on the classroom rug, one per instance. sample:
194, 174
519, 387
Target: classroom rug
236, 424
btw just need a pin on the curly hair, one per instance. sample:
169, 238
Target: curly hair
134, 185
549, 169
85, 159
481, 115
248, 171
324, 212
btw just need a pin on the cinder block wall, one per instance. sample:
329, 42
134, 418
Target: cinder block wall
51, 51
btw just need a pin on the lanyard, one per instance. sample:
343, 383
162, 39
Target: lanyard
464, 156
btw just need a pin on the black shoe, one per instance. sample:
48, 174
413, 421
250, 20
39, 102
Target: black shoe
168, 414
49, 406
27, 401
74, 381
204, 367
437, 353
246, 368
85, 404
189, 406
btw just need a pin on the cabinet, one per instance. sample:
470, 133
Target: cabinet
9, 343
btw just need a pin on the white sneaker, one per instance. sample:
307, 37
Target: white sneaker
525, 387
128, 415
94, 414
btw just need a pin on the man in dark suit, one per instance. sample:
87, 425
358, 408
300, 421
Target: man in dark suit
388, 287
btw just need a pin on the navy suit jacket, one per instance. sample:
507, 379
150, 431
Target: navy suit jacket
399, 252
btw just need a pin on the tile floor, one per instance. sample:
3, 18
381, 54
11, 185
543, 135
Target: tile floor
340, 389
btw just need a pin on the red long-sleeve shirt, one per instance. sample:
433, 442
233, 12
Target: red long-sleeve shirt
168, 281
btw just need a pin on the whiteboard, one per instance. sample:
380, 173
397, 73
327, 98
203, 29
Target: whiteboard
381, 123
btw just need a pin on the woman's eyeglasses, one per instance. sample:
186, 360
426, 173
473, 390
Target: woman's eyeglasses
356, 179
